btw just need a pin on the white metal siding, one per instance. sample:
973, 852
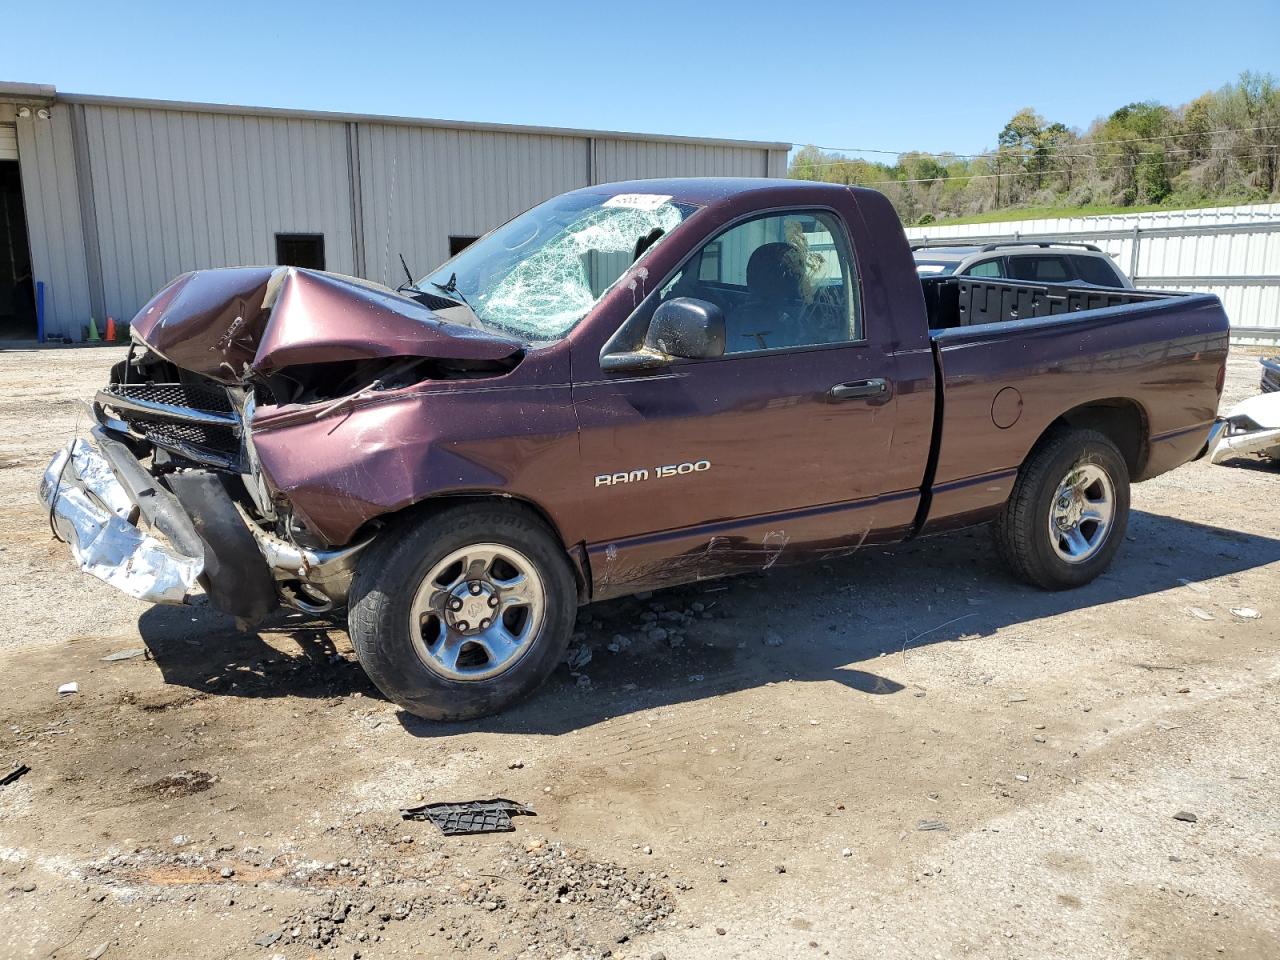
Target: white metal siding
172, 188
642, 160
53, 220
177, 191
421, 185
1165, 261
8, 142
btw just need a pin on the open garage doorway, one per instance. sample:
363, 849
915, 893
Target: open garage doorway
17, 291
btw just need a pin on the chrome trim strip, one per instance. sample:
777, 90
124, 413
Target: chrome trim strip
168, 411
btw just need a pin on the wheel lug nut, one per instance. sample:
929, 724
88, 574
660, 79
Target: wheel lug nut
463, 626
475, 589
455, 604
493, 601
484, 624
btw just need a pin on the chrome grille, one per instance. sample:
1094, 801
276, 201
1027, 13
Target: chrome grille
195, 420
212, 398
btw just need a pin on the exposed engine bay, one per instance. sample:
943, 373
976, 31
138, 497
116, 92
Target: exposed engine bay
170, 498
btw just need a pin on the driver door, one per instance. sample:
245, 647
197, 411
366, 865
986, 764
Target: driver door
774, 451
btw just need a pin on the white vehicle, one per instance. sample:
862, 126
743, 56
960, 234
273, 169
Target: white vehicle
1032, 260
1253, 425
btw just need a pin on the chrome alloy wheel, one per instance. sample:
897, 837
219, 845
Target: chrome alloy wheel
1082, 512
477, 612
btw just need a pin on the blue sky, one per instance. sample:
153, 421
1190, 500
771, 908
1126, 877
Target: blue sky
916, 75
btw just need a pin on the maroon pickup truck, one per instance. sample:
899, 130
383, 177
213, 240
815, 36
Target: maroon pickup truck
629, 386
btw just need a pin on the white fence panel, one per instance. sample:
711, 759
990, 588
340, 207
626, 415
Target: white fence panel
1233, 252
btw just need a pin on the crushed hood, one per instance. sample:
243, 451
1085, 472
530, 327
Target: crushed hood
226, 323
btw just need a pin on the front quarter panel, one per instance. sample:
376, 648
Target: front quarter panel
513, 435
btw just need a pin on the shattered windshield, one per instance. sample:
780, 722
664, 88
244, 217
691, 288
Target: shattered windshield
539, 274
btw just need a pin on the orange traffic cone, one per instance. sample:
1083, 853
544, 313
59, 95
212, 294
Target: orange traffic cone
111, 329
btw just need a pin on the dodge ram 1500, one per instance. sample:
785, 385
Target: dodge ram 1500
627, 387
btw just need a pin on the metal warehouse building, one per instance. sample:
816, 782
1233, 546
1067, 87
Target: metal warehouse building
104, 200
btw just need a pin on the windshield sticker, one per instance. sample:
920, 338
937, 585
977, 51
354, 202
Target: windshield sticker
637, 201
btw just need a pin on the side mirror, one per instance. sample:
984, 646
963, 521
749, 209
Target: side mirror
682, 328
687, 328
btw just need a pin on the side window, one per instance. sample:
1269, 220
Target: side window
786, 280
987, 268
1042, 268
1097, 270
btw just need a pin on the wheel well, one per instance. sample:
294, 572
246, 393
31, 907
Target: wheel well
575, 554
1123, 421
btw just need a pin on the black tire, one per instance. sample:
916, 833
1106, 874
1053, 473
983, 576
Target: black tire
389, 575
1022, 530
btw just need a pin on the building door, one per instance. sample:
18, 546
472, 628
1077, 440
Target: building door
17, 291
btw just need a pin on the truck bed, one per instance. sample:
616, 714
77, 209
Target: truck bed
969, 301
1011, 358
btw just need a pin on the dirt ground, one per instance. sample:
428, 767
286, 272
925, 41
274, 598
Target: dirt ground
905, 754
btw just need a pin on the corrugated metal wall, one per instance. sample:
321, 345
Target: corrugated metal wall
166, 189
421, 185
47, 161
1233, 252
635, 160
177, 191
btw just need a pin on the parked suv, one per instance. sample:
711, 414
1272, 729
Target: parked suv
1023, 260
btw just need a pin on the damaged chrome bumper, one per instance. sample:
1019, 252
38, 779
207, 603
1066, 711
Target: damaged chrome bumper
93, 513
96, 496
1247, 443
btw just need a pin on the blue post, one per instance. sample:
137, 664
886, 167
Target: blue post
40, 310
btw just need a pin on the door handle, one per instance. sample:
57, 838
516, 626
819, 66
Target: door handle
858, 390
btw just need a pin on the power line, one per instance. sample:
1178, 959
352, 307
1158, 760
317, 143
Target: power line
1047, 172
976, 156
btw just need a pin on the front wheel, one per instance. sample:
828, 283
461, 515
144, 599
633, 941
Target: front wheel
464, 611
1069, 510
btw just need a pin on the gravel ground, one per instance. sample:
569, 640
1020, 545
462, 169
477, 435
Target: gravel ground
898, 755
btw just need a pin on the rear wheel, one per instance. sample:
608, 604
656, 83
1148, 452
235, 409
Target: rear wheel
464, 611
1068, 512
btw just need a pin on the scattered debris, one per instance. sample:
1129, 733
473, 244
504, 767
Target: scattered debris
1200, 614
472, 816
619, 643
97, 952
131, 654
181, 784
68, 688
268, 939
931, 825
1186, 816
1245, 613
17, 772
1017, 698
773, 639
578, 657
